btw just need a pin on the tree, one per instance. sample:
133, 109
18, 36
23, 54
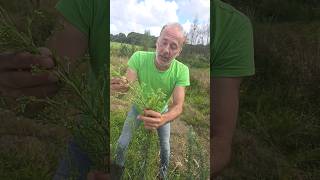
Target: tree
146, 40
193, 33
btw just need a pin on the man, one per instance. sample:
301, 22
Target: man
85, 28
232, 59
157, 69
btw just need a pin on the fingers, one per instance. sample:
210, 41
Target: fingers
121, 80
24, 60
16, 78
25, 79
150, 127
45, 52
119, 84
152, 113
119, 87
38, 91
149, 119
150, 122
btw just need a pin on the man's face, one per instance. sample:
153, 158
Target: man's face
169, 46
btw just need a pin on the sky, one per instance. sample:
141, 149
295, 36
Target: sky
140, 15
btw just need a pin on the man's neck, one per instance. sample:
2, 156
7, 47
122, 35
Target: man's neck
161, 68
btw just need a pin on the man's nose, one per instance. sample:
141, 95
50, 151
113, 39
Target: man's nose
166, 49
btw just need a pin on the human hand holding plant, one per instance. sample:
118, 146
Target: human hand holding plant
17, 77
152, 119
119, 84
18, 58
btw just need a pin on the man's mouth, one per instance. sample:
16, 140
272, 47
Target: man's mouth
164, 58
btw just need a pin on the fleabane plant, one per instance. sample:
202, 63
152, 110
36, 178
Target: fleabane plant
146, 147
13, 40
145, 97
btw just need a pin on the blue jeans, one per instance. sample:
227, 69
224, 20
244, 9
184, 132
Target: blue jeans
130, 124
75, 164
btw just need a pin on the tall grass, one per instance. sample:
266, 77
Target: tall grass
279, 107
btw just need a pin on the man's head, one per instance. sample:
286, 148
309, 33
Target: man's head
169, 44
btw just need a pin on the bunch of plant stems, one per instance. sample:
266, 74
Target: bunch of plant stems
146, 146
90, 127
144, 97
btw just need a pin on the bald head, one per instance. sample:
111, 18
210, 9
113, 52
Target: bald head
174, 27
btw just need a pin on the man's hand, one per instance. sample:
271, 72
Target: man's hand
119, 84
17, 78
152, 119
98, 175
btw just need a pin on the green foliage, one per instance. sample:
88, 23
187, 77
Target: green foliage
278, 11
13, 40
196, 164
146, 147
145, 97
124, 50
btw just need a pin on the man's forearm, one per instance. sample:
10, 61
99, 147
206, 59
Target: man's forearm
173, 113
225, 104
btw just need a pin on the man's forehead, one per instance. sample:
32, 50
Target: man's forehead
173, 33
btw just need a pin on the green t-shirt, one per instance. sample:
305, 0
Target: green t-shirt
143, 64
91, 18
232, 46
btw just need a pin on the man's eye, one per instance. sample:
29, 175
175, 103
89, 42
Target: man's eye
173, 47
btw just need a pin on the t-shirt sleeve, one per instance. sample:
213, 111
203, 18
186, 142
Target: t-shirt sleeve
183, 77
133, 62
76, 12
237, 59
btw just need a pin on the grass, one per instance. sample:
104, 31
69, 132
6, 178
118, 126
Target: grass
278, 128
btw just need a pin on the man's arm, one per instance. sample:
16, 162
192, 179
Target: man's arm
68, 42
153, 120
224, 108
122, 84
177, 106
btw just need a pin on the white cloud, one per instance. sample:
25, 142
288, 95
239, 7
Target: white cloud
195, 8
138, 16
186, 26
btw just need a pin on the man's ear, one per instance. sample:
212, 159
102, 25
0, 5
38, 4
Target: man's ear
179, 51
157, 41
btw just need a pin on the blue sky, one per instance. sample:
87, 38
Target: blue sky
140, 15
